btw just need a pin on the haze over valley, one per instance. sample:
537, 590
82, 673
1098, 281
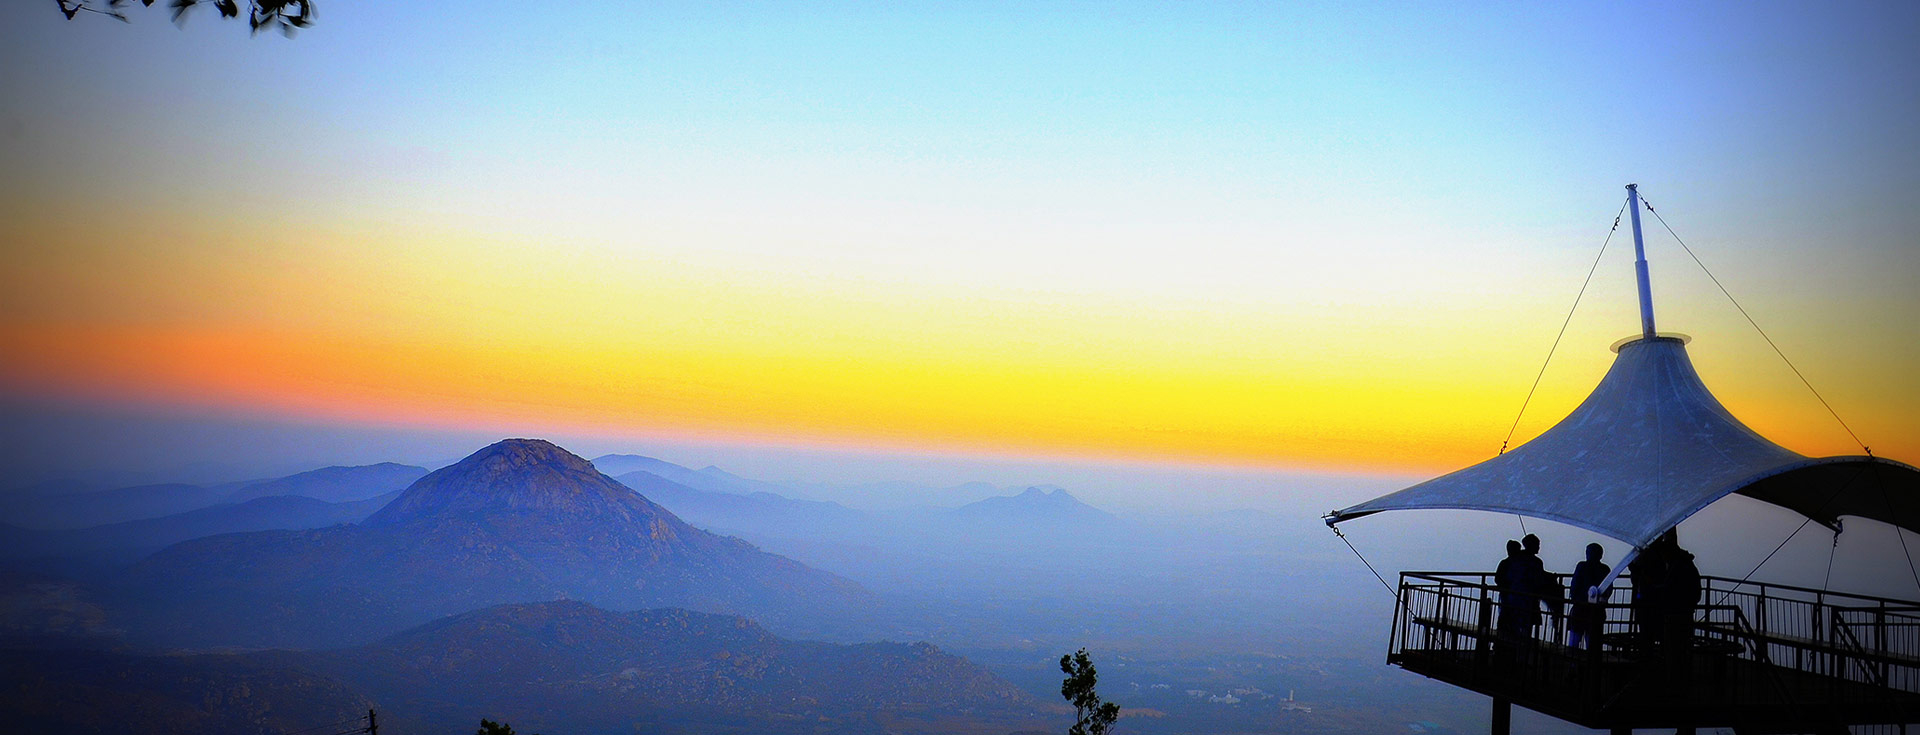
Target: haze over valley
939, 609
1205, 622
816, 368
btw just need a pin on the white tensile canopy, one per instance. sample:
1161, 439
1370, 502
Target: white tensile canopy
1651, 447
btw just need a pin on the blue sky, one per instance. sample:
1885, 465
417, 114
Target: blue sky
1384, 183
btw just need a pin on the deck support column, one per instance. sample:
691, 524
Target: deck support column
1502, 716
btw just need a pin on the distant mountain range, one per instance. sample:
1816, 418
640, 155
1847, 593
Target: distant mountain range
756, 511
902, 495
101, 507
722, 501
890, 495
715, 497
711, 479
46, 507
554, 667
1043, 505
518, 521
127, 541
336, 484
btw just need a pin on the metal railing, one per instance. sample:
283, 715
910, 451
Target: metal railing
1747, 641
1841, 637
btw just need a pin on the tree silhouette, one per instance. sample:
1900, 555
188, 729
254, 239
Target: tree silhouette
1092, 717
285, 16
489, 727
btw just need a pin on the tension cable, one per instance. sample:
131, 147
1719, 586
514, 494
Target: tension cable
1556, 343
1898, 532
1363, 560
1756, 327
1563, 331
1826, 583
1796, 531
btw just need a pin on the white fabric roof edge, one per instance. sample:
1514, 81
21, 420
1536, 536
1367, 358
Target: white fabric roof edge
1904, 506
1649, 448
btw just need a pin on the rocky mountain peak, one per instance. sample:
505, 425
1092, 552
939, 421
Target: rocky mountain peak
516, 476
509, 454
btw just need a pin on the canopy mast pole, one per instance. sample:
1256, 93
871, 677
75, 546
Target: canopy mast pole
1640, 264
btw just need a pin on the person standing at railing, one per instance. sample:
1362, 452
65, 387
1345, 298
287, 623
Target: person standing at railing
1519, 610
1648, 572
1541, 584
1524, 585
1679, 599
1666, 594
1588, 615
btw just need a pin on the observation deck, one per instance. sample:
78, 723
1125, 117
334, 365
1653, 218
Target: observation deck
1761, 658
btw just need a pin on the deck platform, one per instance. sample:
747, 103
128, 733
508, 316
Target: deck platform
1762, 659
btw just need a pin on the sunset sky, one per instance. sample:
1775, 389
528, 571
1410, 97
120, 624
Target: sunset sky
1311, 237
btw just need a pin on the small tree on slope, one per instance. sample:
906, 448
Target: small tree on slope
1092, 717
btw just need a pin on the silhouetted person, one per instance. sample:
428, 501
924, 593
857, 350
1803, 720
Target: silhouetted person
1679, 598
1510, 578
1649, 573
1544, 587
1586, 619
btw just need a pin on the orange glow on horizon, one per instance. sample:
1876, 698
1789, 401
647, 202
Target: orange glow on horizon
426, 325
1140, 412
1273, 235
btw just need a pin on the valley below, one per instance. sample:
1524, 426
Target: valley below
528, 585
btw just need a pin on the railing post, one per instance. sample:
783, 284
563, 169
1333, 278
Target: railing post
1880, 641
1815, 630
1397, 637
1485, 629
1596, 648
